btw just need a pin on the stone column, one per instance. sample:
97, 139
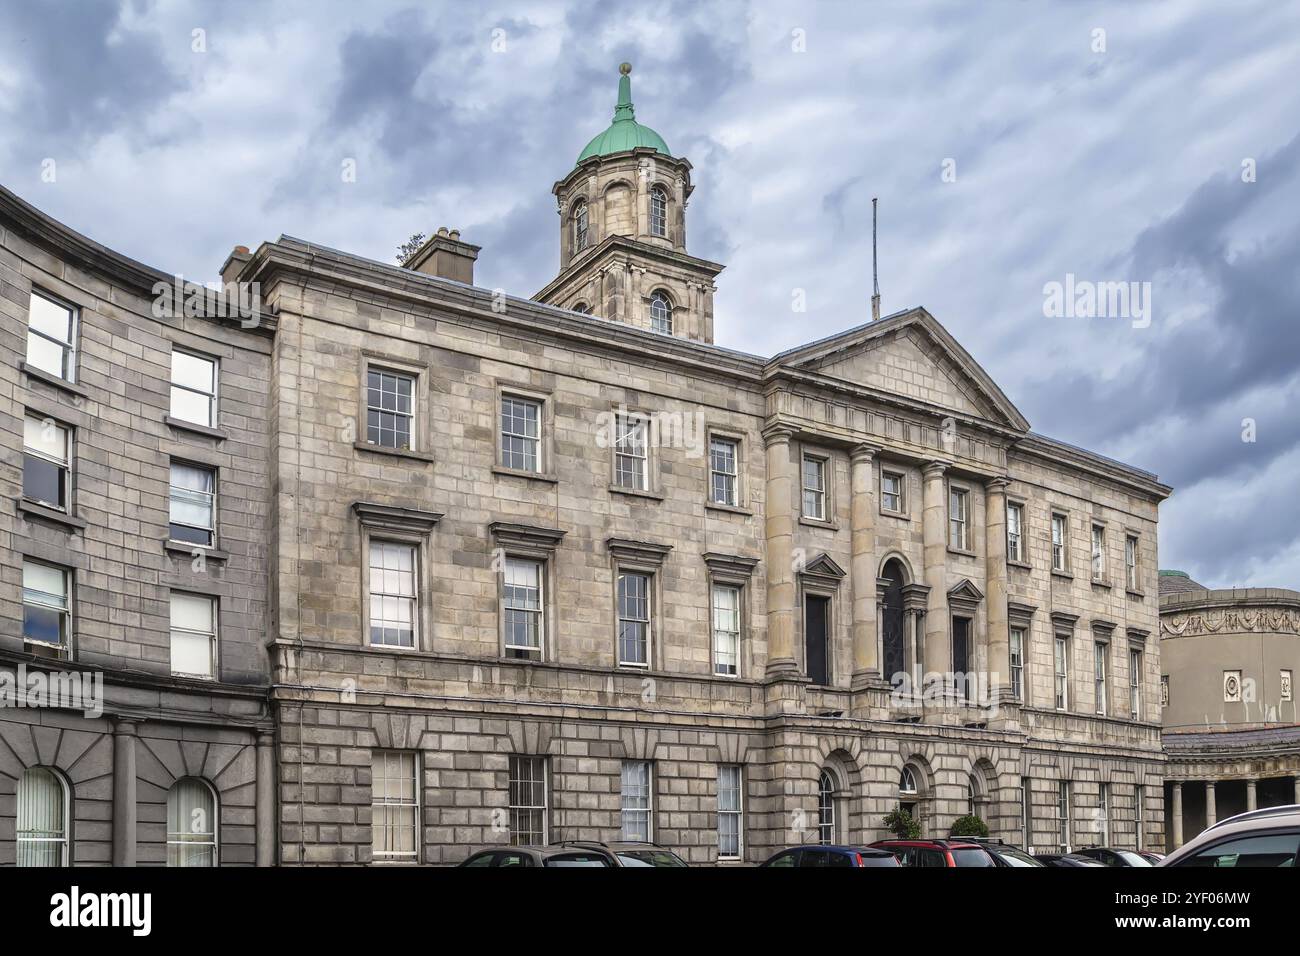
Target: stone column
265, 799
1297, 789
1177, 815
1251, 800
934, 535
866, 666
995, 590
124, 794
1211, 813
779, 528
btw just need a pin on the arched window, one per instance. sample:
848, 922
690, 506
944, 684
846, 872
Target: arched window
583, 308
658, 212
191, 824
907, 782
580, 234
661, 314
909, 794
825, 809
42, 819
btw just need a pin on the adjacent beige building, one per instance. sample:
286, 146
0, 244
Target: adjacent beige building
563, 567
1228, 661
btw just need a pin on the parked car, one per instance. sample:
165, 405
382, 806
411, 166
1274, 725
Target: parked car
1151, 856
552, 856
632, 853
1004, 854
831, 856
1108, 856
1066, 859
938, 853
1257, 838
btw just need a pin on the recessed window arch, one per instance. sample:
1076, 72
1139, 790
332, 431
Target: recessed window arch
581, 232
907, 782
658, 211
661, 314
583, 308
191, 823
44, 807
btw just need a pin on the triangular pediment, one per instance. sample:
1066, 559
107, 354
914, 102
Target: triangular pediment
965, 590
909, 355
823, 566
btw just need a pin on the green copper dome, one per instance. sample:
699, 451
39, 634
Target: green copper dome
625, 132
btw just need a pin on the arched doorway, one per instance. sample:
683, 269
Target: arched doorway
894, 655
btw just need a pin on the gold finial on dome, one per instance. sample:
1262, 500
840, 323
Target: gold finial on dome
625, 68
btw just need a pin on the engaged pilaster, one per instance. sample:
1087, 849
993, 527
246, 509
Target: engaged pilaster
934, 535
779, 526
995, 587
866, 666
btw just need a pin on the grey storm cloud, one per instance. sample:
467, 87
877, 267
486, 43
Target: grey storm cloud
1115, 166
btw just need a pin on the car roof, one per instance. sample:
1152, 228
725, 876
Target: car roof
1250, 822
957, 844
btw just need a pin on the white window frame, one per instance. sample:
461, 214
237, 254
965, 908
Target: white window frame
629, 451
522, 439
900, 505
730, 479
515, 783
212, 503
1064, 821
738, 813
1061, 671
1016, 534
372, 591
628, 801
69, 358
1060, 542
1101, 677
661, 321
720, 633
213, 636
818, 492
213, 844
1135, 682
378, 367
1016, 652
65, 797
659, 216
1098, 552
539, 613
958, 518
64, 465
825, 809
1103, 812
1131, 545
417, 842
64, 609
211, 396
648, 620
581, 226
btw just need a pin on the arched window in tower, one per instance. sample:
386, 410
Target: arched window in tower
580, 233
658, 212
661, 314
825, 809
583, 308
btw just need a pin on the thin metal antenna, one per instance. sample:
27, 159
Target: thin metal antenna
875, 276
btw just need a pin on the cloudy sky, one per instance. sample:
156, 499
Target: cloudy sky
1011, 144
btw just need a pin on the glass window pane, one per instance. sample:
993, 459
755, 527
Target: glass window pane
41, 822
50, 318
191, 612
193, 372
45, 355
46, 437
191, 407
191, 654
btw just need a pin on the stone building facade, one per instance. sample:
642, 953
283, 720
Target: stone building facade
504, 569
1231, 732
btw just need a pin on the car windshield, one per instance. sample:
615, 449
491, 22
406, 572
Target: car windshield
1131, 858
649, 858
1013, 857
577, 859
871, 859
971, 856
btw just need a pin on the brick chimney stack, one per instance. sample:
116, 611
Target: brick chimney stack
446, 256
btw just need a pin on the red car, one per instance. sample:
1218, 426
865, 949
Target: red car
937, 853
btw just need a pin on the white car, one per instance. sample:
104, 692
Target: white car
1258, 838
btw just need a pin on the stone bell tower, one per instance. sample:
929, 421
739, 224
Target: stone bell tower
623, 233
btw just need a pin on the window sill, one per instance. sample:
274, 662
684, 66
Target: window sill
394, 452
635, 492
522, 473
728, 509
32, 510
1140, 595
1101, 583
897, 515
962, 552
195, 428
1065, 575
185, 549
35, 374
1019, 564
818, 523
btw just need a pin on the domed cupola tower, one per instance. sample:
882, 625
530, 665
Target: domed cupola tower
623, 233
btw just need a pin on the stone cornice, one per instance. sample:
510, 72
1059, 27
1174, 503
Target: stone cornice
599, 255
642, 552
733, 564
509, 534
393, 518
